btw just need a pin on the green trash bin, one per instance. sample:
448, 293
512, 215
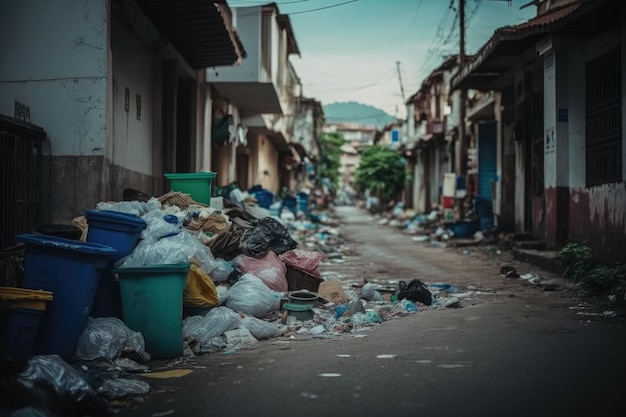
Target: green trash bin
152, 304
196, 184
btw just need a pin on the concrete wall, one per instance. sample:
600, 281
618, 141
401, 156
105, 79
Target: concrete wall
247, 20
55, 60
268, 160
133, 69
595, 215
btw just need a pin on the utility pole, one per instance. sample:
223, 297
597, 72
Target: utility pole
461, 145
400, 79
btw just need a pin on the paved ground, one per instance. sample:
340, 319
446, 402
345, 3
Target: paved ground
514, 350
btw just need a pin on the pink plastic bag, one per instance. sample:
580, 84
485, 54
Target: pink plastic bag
303, 260
269, 269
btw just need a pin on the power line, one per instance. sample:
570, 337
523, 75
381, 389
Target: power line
261, 2
323, 8
434, 45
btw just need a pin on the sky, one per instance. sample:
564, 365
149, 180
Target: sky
369, 51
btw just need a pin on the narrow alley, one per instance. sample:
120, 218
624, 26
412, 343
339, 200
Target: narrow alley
507, 349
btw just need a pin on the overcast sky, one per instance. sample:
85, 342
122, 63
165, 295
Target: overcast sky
350, 48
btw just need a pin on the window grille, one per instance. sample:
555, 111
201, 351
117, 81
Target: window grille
603, 119
21, 180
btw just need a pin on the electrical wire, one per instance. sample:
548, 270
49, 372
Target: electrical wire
261, 2
323, 8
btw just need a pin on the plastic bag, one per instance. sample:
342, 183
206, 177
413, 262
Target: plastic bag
269, 269
200, 291
414, 291
368, 292
62, 378
220, 269
249, 295
121, 388
182, 247
138, 208
212, 324
161, 223
268, 234
262, 329
108, 337
304, 260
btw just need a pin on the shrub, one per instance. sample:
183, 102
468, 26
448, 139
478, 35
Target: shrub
590, 277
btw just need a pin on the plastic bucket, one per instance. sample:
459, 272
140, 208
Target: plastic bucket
265, 198
303, 297
152, 304
70, 269
121, 231
463, 228
301, 312
196, 184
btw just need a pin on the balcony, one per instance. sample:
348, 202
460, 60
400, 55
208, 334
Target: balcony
256, 86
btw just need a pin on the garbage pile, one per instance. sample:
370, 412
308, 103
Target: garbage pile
195, 279
437, 228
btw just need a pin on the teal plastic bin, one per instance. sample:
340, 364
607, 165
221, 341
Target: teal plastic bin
71, 270
152, 304
196, 184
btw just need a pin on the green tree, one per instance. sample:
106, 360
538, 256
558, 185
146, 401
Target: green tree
382, 172
330, 159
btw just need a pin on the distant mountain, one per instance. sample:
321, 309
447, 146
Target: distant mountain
353, 112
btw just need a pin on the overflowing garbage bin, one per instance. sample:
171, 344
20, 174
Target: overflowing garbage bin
152, 304
121, 231
70, 269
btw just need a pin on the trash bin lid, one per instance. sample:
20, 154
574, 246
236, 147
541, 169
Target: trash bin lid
54, 242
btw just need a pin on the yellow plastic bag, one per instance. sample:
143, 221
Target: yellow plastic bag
200, 290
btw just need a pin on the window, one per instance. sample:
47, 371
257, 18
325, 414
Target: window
603, 118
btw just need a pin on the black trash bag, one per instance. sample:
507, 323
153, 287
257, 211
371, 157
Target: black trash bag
414, 291
268, 234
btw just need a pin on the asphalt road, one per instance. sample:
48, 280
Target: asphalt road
512, 350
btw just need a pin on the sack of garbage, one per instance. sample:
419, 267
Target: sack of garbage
108, 338
268, 234
268, 268
414, 291
249, 295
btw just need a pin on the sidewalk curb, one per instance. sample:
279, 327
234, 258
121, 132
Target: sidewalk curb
548, 260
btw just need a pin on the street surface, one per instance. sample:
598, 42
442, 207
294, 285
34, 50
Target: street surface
511, 349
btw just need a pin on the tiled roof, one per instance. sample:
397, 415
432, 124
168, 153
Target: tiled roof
513, 40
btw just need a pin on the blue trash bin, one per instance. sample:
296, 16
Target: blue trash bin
70, 269
290, 203
265, 198
121, 231
303, 201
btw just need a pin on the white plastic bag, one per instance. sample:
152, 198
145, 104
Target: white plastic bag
249, 295
262, 329
182, 247
108, 337
217, 321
